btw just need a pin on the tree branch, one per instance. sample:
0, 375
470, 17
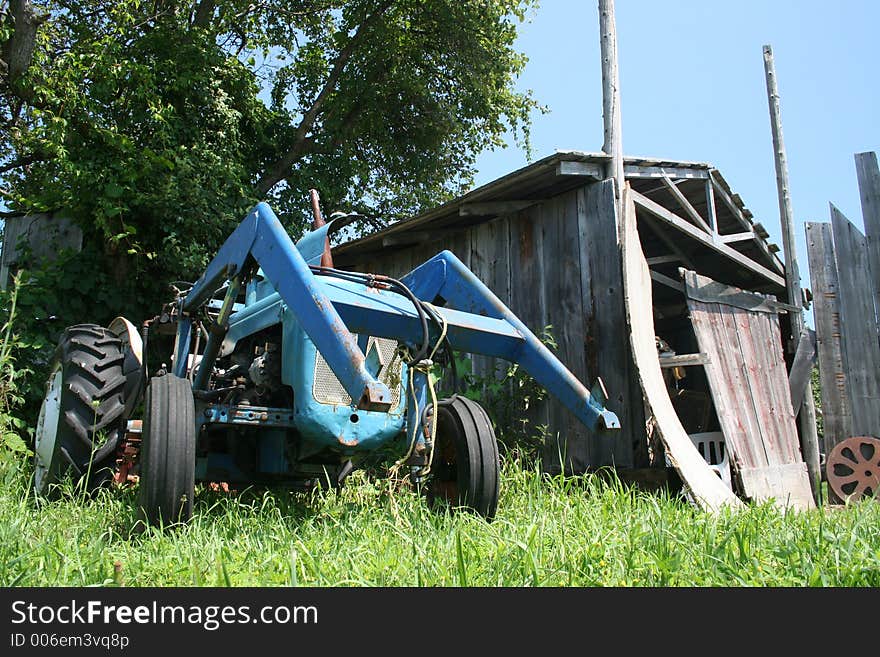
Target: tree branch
22, 162
277, 172
204, 13
18, 51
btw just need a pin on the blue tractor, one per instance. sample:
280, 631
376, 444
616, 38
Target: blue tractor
288, 372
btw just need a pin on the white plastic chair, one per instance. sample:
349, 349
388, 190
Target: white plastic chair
713, 449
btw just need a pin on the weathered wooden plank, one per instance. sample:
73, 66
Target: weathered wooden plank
836, 408
664, 259
746, 363
527, 298
683, 360
868, 175
784, 436
787, 485
484, 262
749, 386
685, 205
667, 281
737, 237
494, 208
801, 367
606, 353
692, 231
646, 171
710, 205
704, 486
859, 325
734, 381
574, 168
703, 288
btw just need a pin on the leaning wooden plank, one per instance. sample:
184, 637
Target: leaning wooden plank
869, 192
859, 325
703, 288
836, 407
749, 385
704, 485
786, 485
801, 367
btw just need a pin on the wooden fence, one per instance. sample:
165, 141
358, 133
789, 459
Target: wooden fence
845, 279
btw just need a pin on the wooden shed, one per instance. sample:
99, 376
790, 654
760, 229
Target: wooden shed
547, 240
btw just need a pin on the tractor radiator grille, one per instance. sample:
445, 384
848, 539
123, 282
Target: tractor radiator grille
328, 390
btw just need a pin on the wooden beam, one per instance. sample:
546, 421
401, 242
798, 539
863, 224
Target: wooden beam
684, 360
670, 244
745, 223
692, 231
494, 208
710, 205
642, 171
869, 192
689, 209
809, 433
575, 168
737, 237
668, 282
664, 259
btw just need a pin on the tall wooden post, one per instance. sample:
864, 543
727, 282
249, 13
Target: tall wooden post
809, 433
869, 192
611, 96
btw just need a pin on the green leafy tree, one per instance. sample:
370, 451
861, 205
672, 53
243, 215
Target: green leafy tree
157, 124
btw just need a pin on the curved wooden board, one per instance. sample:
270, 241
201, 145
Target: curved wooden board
707, 490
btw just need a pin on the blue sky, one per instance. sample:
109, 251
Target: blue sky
692, 85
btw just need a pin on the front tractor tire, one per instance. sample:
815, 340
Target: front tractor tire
465, 465
82, 417
168, 452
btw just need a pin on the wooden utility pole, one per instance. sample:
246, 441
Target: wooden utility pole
809, 433
611, 96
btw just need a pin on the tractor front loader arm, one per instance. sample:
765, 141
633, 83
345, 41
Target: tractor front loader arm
262, 238
445, 279
332, 309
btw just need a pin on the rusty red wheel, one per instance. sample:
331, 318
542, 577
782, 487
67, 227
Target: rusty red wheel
853, 468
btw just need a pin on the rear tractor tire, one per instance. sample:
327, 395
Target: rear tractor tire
465, 465
83, 415
168, 452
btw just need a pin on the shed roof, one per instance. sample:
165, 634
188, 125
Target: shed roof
688, 206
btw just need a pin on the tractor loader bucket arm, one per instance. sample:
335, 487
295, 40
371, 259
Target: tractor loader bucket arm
332, 309
262, 237
445, 279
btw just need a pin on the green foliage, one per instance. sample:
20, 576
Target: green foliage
12, 427
510, 395
549, 531
157, 125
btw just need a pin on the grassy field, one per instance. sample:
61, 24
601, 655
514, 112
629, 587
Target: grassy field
549, 532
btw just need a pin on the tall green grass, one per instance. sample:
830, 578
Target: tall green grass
548, 532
